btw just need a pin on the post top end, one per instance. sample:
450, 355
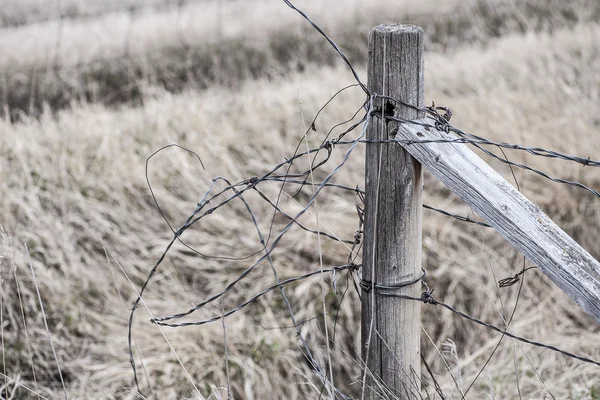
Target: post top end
398, 28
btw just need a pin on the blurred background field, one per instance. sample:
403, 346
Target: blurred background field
90, 89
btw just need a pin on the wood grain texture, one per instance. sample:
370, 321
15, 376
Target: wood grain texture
393, 215
521, 222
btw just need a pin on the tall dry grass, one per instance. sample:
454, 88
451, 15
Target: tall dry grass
113, 58
74, 191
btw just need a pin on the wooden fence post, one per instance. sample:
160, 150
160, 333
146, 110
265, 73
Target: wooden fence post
393, 219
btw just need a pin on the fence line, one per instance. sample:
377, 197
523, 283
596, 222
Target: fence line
326, 161
253, 185
214, 199
372, 381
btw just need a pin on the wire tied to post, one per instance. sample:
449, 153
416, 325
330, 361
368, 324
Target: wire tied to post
384, 289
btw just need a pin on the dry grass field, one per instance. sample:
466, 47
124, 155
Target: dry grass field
85, 101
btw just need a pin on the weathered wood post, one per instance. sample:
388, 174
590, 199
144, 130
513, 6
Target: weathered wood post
393, 215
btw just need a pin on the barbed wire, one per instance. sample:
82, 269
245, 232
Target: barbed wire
216, 198
441, 123
161, 320
204, 209
428, 298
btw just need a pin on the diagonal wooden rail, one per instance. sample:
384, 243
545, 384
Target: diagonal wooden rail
520, 221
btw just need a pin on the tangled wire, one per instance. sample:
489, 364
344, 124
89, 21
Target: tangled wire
217, 197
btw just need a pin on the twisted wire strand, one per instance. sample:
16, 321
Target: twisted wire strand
161, 320
215, 199
427, 298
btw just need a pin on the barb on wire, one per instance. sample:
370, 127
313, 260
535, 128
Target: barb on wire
427, 298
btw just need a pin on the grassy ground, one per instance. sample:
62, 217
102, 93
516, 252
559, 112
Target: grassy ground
74, 192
